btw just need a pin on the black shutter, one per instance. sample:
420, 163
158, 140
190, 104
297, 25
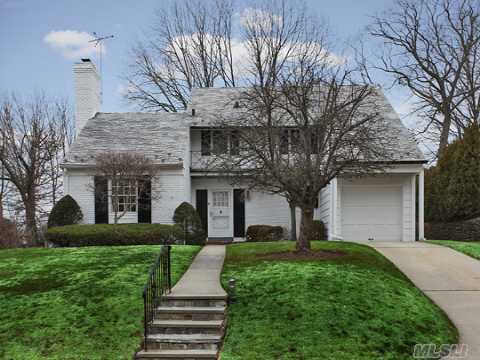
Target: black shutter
201, 204
144, 211
101, 200
238, 212
206, 142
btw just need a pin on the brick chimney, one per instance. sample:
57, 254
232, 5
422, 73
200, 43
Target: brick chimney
88, 97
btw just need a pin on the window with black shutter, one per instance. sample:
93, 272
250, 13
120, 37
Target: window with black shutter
101, 200
206, 142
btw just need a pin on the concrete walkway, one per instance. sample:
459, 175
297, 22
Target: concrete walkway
202, 279
451, 279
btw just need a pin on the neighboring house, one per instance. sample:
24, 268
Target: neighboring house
381, 207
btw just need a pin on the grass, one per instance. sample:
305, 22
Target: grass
76, 303
470, 248
354, 307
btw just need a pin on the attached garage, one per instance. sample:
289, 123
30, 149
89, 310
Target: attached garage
378, 209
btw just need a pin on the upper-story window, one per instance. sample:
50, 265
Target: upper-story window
220, 142
290, 139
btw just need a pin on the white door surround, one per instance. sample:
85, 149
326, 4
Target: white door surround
220, 213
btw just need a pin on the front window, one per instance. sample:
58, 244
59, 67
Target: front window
220, 198
220, 142
124, 195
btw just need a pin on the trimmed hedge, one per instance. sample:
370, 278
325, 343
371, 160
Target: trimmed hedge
318, 231
468, 230
256, 233
109, 234
65, 212
188, 218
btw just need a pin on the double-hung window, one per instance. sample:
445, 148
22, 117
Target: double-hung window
124, 195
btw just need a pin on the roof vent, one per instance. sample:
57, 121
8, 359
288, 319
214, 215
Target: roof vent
193, 112
236, 105
86, 60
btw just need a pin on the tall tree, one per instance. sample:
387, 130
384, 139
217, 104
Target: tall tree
189, 46
431, 47
29, 134
308, 117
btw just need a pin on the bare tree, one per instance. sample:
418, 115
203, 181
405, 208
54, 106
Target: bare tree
124, 172
306, 118
189, 46
431, 47
28, 141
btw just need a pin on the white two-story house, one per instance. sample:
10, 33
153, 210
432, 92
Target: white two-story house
382, 207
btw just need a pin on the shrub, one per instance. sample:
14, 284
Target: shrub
9, 237
318, 231
65, 212
452, 187
109, 234
188, 218
257, 233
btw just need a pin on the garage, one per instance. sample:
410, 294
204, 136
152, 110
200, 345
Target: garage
371, 212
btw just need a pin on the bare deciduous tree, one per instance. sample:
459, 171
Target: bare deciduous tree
124, 172
30, 138
432, 48
189, 46
306, 118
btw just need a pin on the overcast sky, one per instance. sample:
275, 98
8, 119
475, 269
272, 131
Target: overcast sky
40, 40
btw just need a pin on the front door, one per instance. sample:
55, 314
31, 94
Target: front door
220, 214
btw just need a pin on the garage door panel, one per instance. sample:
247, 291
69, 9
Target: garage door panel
372, 212
364, 232
389, 215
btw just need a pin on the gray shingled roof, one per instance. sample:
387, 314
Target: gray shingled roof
210, 102
162, 137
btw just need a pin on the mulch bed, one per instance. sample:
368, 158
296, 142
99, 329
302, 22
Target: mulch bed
296, 255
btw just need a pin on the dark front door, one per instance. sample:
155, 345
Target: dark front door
239, 213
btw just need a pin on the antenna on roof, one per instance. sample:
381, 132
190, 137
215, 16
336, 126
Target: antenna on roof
98, 40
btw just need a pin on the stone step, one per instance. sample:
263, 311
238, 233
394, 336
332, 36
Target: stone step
190, 313
194, 300
184, 341
187, 327
176, 354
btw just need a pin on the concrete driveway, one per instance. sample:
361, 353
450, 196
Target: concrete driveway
449, 278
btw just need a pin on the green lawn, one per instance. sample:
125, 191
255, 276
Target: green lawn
76, 303
354, 307
470, 248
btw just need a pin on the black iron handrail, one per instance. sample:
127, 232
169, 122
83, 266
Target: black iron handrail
159, 283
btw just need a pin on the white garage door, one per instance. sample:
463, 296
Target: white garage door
371, 212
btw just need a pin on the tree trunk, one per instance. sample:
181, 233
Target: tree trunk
31, 221
303, 242
444, 135
293, 222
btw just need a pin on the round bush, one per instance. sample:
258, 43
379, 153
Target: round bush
188, 218
65, 212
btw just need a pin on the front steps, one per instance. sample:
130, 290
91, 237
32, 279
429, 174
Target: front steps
186, 327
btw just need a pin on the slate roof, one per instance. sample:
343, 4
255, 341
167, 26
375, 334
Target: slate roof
210, 102
163, 136
160, 136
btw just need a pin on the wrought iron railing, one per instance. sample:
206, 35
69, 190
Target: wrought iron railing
159, 283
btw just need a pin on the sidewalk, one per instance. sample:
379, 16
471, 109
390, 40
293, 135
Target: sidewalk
203, 276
